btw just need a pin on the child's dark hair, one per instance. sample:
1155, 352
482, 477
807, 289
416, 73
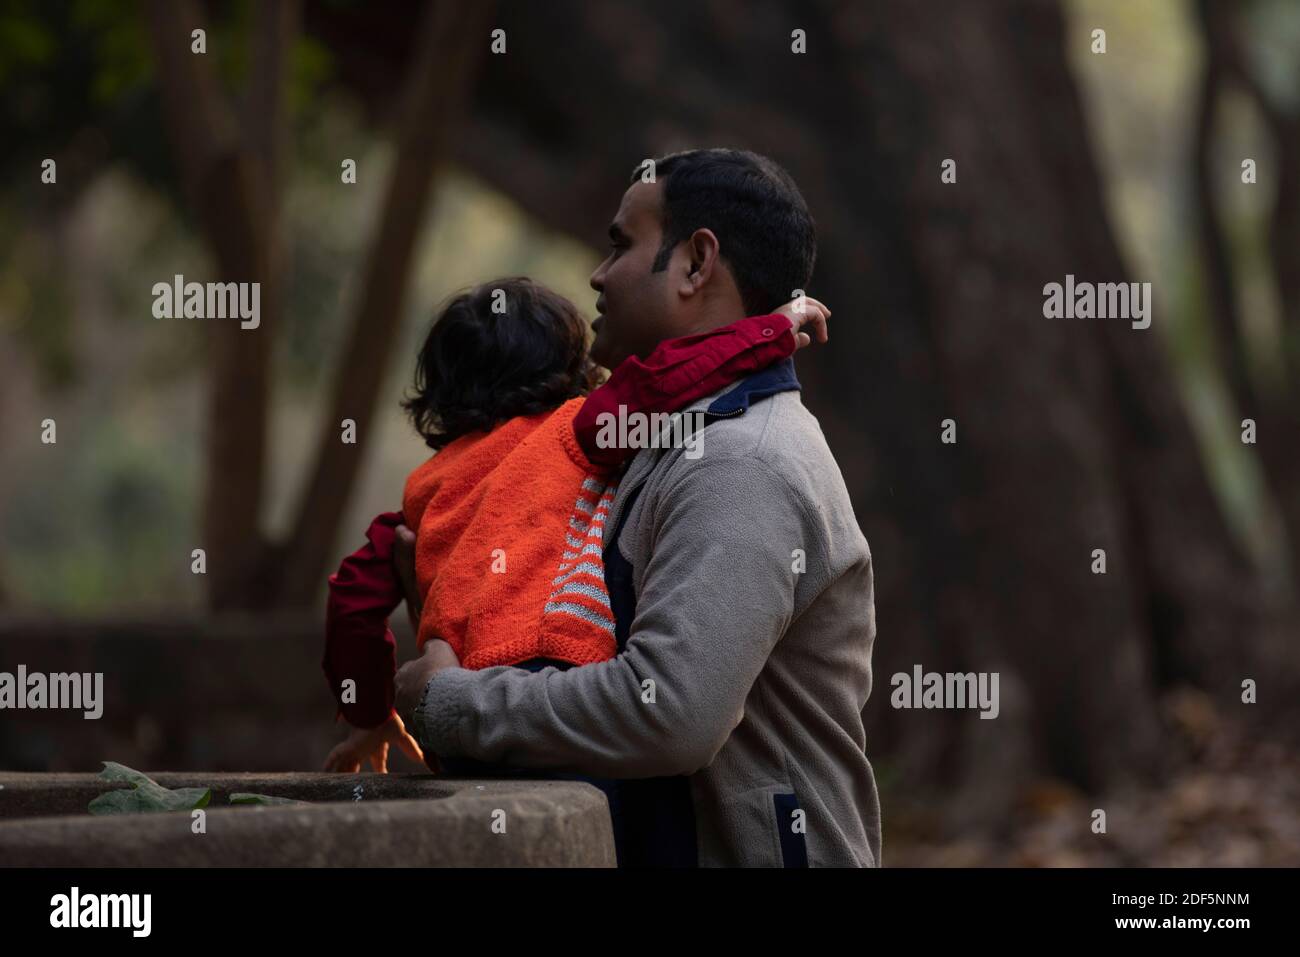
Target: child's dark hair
503, 349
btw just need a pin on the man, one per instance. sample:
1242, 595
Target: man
740, 579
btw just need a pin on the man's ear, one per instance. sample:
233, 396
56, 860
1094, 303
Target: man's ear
701, 260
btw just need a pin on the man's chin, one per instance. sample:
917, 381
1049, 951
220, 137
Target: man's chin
601, 351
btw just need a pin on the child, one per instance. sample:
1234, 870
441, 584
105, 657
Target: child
509, 513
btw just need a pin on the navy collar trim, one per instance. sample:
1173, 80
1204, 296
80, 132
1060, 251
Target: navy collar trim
778, 377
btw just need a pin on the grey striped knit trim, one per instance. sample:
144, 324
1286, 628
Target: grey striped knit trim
590, 548
583, 612
591, 568
581, 588
580, 528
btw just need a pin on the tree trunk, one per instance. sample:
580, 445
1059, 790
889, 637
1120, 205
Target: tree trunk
232, 195
232, 175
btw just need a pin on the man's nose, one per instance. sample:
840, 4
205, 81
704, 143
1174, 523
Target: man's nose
597, 280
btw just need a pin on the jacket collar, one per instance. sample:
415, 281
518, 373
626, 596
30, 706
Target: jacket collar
778, 377
728, 402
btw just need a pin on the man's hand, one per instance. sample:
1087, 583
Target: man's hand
409, 682
404, 562
812, 314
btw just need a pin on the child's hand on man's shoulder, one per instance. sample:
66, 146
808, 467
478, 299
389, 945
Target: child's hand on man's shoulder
806, 311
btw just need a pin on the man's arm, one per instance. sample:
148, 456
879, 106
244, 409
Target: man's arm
718, 594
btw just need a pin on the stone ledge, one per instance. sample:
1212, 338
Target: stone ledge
415, 820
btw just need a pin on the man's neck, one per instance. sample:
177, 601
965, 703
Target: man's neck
709, 319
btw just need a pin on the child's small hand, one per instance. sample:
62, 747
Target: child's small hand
812, 313
372, 744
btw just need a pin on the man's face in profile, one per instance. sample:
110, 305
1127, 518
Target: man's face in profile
633, 304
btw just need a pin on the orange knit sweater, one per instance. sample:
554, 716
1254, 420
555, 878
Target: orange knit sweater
502, 582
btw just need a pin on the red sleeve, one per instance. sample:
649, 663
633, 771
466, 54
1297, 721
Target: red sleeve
358, 644
679, 371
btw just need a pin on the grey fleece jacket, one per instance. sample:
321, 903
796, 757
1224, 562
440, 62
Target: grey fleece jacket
748, 662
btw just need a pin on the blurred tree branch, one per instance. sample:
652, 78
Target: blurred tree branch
1276, 412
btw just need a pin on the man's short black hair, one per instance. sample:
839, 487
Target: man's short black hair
767, 237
